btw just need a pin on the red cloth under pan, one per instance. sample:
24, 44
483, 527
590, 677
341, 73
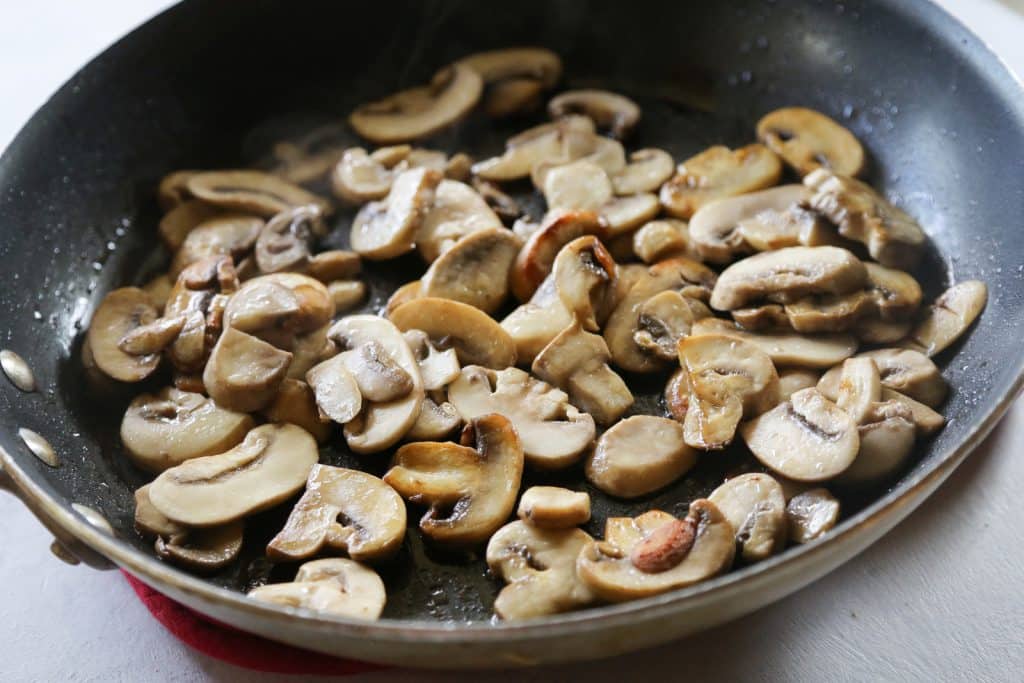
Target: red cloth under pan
236, 647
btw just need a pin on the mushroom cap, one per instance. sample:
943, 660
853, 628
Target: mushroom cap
386, 229
471, 490
537, 256
244, 372
553, 433
457, 211
253, 192
552, 507
173, 426
756, 507
719, 172
684, 558
475, 336
539, 566
807, 140
715, 227
647, 171
614, 112
785, 348
421, 111
949, 317
269, 466
907, 371
807, 438
335, 586
345, 510
638, 455
474, 270
810, 514
121, 311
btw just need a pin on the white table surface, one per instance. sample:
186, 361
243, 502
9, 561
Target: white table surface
939, 598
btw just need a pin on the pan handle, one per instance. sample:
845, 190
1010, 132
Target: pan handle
65, 546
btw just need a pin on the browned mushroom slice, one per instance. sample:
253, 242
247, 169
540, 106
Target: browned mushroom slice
380, 377
153, 337
515, 77
638, 455
231, 235
504, 206
512, 97
336, 586
203, 550
120, 313
904, 370
177, 223
252, 191
346, 511
718, 229
719, 172
244, 372
656, 552
421, 111
334, 264
471, 488
386, 229
173, 189
475, 270
269, 466
537, 257
533, 325
664, 320
860, 388
284, 242
614, 112
949, 317
584, 274
151, 522
662, 239
457, 211
402, 295
562, 141
770, 317
476, 337
677, 395
647, 171
892, 237
807, 140
295, 403
784, 348
552, 507
159, 291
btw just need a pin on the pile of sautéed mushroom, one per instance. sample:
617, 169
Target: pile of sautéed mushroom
766, 288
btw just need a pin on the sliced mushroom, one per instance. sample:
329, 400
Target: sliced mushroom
718, 228
614, 112
295, 404
457, 211
537, 63
232, 235
625, 214
580, 185
892, 237
729, 379
177, 223
254, 192
896, 295
512, 97
807, 438
576, 361
788, 275
173, 426
203, 550
474, 270
562, 141
809, 351
436, 421
792, 380
159, 290
379, 376
504, 206
284, 242
150, 521
770, 317
904, 370
554, 433
386, 229
584, 274
807, 140
402, 295
811, 514
476, 337
665, 319
269, 466
756, 508
120, 313
828, 312
173, 189
335, 390
280, 307
438, 368
539, 566
860, 388
537, 257
949, 317
875, 331
647, 171
244, 372
638, 455
887, 434
662, 239
471, 488
719, 172
152, 338
534, 324
552, 507
656, 552
421, 111
360, 177
925, 419
346, 511
677, 395
334, 586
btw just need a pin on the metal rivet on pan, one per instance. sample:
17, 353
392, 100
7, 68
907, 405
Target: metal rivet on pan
93, 517
39, 446
17, 370
61, 552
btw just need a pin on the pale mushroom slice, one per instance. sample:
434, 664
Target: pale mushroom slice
471, 487
552, 507
882, 332
664, 320
533, 325
925, 419
346, 294
295, 404
151, 522
718, 227
807, 438
402, 295
810, 514
503, 205
203, 550
269, 466
386, 229
860, 388
360, 177
662, 239
346, 511
335, 390
892, 237
438, 367
421, 111
554, 434
766, 317
121, 312
887, 435
622, 215
608, 155
233, 235
561, 141
177, 223
828, 312
378, 375
656, 552
336, 586
576, 361
639, 455
254, 192
584, 274
787, 275
580, 185
896, 295
166, 429
807, 140
280, 307
537, 257
475, 336
159, 291
515, 77
677, 395
436, 421
719, 172
756, 507
285, 241
614, 112
457, 211
474, 270
244, 372
512, 97
785, 348
792, 380
648, 169
949, 317
152, 338
729, 379
904, 370
380, 425
539, 567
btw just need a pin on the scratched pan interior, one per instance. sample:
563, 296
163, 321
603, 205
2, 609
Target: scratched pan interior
208, 85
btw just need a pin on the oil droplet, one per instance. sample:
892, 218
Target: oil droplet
93, 517
39, 446
17, 370
37, 315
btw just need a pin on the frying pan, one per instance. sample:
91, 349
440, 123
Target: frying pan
214, 83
